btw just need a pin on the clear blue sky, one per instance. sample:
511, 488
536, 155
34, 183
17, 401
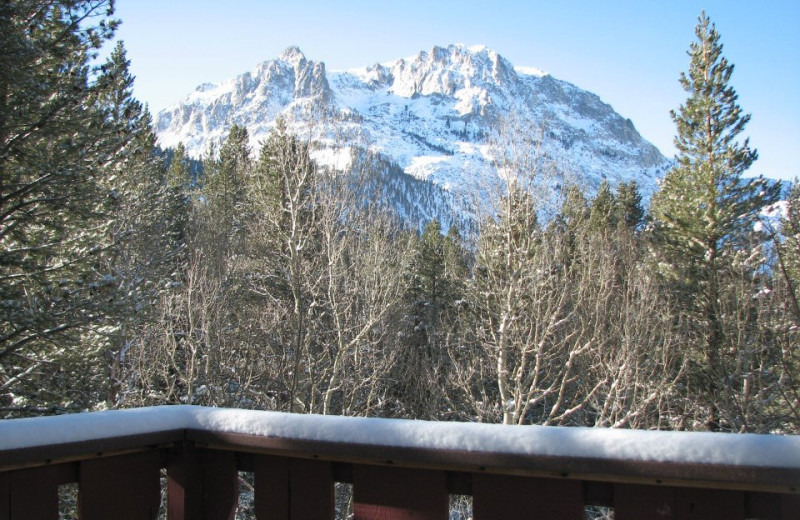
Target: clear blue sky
628, 52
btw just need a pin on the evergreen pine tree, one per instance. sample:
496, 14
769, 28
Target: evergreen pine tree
704, 209
178, 172
227, 188
787, 318
60, 142
431, 283
571, 223
602, 214
283, 183
787, 247
456, 262
178, 203
630, 213
225, 191
574, 210
438, 270
137, 257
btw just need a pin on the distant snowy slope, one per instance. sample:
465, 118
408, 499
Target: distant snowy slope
433, 115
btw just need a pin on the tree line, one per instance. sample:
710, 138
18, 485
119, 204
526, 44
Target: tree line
270, 282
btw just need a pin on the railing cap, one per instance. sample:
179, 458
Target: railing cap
751, 450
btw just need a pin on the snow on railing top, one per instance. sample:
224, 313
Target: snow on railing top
778, 451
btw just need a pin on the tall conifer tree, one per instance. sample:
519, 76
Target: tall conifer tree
55, 143
225, 192
704, 209
630, 213
602, 214
144, 243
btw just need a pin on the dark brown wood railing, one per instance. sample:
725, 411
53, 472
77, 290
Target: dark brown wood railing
191, 468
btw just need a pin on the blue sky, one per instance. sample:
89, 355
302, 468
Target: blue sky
630, 53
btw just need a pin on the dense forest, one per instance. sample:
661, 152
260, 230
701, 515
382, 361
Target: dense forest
268, 282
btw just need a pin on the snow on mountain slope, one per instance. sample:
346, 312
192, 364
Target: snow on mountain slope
434, 114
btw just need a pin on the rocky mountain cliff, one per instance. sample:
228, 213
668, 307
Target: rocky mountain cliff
441, 117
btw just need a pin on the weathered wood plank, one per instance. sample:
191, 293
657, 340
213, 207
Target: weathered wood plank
790, 507
5, 498
124, 487
311, 490
184, 483
633, 502
673, 503
33, 494
271, 487
220, 484
710, 504
391, 493
501, 496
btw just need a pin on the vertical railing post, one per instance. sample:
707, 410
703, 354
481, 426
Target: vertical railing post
632, 502
5, 496
271, 479
201, 483
184, 482
772, 506
311, 490
790, 507
220, 484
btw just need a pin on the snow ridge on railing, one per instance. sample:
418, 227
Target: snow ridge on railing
751, 450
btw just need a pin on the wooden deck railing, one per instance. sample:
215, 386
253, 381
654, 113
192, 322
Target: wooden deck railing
398, 469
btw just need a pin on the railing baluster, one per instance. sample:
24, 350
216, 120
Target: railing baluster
668, 503
771, 506
271, 487
33, 494
5, 484
311, 485
391, 493
632, 502
124, 487
220, 485
790, 507
184, 499
500, 496
710, 504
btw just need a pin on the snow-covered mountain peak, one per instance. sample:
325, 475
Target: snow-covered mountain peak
205, 87
531, 71
434, 114
445, 70
293, 55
